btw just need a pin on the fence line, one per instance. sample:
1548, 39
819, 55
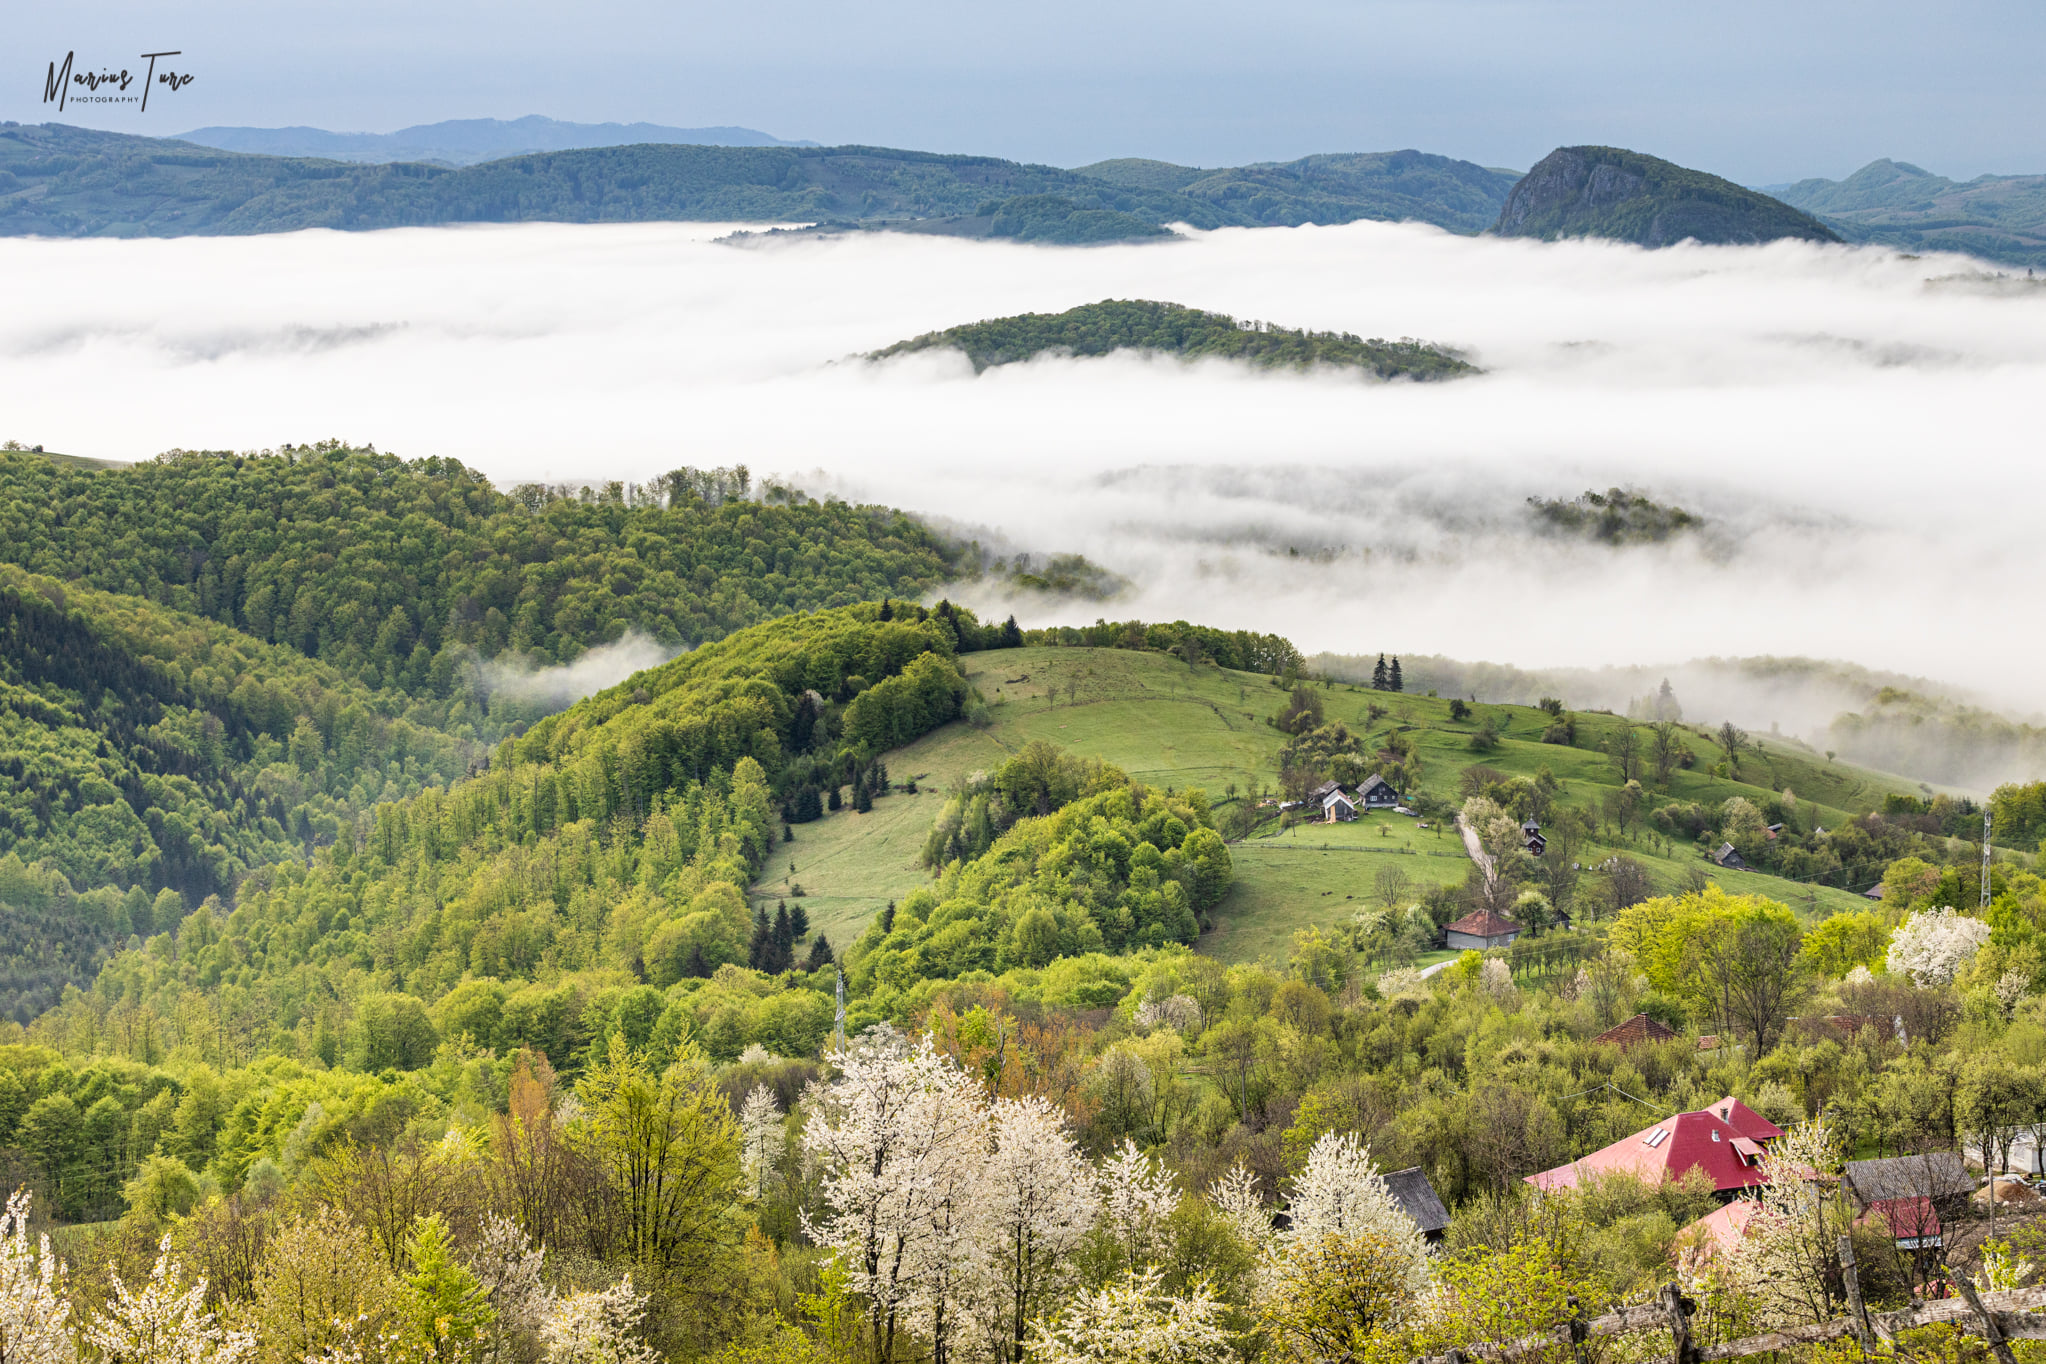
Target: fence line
1999, 1317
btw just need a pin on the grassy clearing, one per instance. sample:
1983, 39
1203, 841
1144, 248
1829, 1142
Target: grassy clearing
1169, 724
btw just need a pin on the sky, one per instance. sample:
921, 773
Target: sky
1761, 93
1858, 428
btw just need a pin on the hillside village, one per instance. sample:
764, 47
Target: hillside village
1655, 1004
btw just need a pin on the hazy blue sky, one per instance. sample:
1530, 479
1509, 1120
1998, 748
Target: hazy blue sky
1759, 92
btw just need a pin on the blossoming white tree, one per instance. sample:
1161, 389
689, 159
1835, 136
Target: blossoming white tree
1340, 1193
1133, 1321
1235, 1196
1136, 1198
897, 1134
598, 1328
1784, 1263
166, 1323
1036, 1200
34, 1317
760, 1138
509, 1268
1934, 944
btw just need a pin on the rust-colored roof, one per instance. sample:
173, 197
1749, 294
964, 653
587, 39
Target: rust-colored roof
1484, 923
1666, 1150
1640, 1028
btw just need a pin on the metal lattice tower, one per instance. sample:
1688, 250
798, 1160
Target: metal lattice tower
1985, 859
838, 1031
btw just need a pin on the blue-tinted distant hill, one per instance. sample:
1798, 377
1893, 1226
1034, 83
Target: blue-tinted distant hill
2000, 218
466, 141
1338, 188
57, 180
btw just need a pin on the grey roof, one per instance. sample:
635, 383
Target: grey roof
1937, 1174
1411, 1189
1372, 783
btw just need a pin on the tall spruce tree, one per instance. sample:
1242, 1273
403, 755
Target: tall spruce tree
781, 945
1378, 675
820, 954
1393, 681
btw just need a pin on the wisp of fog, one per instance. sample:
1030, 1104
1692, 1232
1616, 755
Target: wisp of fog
606, 665
1859, 429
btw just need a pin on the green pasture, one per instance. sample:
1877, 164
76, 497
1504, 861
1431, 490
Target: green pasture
1170, 724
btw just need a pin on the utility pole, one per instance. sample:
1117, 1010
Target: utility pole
1985, 858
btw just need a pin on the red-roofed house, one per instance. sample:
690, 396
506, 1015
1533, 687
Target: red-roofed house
1636, 1030
1717, 1232
1724, 1139
1481, 930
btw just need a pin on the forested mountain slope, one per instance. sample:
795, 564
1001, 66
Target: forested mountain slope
147, 751
605, 847
392, 570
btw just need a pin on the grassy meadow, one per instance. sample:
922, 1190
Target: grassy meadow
1169, 724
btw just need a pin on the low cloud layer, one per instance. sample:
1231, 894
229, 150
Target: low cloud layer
554, 687
1860, 432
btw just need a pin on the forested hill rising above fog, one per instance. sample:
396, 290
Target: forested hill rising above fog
62, 181
1626, 196
1172, 329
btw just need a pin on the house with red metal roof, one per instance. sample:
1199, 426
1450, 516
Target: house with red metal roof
1724, 1139
1637, 1030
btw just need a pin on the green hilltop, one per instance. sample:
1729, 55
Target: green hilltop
1627, 196
1190, 333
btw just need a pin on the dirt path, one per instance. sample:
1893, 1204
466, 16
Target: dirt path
1475, 848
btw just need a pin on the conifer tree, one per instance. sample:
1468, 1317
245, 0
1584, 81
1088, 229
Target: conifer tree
799, 919
820, 954
1393, 681
1379, 675
781, 945
762, 944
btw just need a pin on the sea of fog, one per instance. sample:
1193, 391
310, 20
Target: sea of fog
1861, 429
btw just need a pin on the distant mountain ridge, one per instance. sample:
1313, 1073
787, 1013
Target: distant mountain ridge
1628, 196
63, 181
467, 141
2000, 218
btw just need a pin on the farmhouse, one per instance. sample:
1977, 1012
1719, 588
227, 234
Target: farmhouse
1376, 793
1725, 1140
1480, 931
1902, 1194
1336, 805
1729, 858
1419, 1201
